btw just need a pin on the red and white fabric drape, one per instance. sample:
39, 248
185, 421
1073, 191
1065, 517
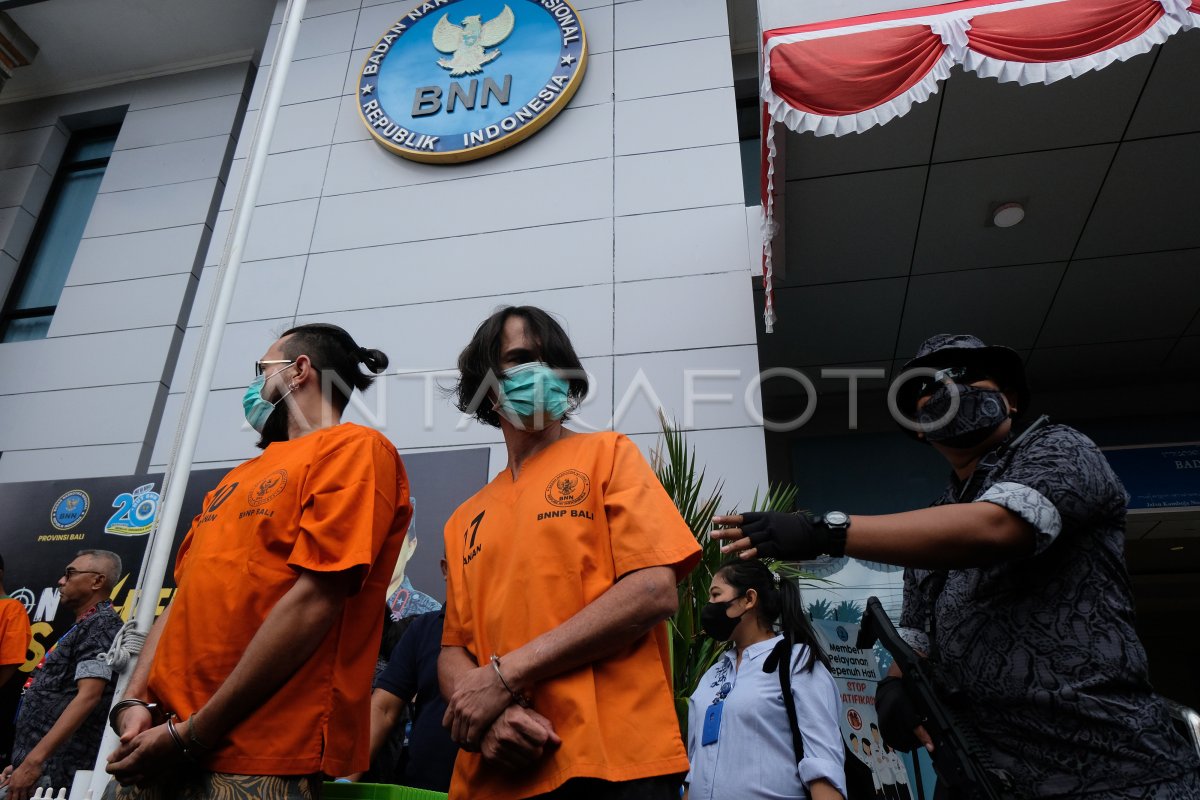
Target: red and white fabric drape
849, 75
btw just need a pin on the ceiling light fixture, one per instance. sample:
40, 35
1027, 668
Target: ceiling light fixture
1008, 214
1176, 548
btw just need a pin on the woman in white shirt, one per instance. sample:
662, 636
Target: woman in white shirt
739, 735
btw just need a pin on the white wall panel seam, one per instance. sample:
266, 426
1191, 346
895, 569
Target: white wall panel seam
452, 179
4, 393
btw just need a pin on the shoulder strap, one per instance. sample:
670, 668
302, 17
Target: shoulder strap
781, 656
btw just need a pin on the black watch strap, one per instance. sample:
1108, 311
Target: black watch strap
836, 523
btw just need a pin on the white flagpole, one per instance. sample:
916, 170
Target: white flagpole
179, 469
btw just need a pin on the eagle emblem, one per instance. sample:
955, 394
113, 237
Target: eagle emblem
268, 488
69, 510
466, 42
568, 488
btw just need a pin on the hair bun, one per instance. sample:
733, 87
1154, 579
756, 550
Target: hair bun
374, 360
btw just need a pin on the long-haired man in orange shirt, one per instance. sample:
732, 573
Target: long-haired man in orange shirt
263, 661
562, 571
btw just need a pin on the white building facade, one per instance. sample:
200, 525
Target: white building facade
624, 217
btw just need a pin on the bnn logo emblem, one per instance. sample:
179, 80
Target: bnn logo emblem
456, 80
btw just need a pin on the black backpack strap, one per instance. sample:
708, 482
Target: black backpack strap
781, 658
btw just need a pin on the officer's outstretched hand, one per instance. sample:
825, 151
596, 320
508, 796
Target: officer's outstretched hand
771, 534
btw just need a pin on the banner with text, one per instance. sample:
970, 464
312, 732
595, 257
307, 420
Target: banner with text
45, 523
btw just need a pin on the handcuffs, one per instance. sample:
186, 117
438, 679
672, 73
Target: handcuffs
158, 716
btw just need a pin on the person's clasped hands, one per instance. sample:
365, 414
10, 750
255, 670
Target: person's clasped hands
518, 738
483, 716
773, 534
146, 749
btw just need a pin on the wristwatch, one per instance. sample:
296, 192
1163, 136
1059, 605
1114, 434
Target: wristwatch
837, 523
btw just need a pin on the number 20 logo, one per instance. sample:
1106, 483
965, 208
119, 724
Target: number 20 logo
135, 513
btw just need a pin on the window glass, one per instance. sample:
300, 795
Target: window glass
94, 147
49, 266
24, 329
39, 283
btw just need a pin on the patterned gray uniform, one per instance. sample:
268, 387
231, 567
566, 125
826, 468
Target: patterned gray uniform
54, 685
1041, 652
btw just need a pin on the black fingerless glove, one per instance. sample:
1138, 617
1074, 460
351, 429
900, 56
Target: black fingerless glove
897, 715
791, 537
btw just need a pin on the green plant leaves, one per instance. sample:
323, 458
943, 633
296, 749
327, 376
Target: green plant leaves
692, 653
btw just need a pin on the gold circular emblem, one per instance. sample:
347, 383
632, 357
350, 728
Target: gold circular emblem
268, 488
569, 488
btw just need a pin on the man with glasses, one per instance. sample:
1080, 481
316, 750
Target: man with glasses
256, 680
1015, 589
63, 709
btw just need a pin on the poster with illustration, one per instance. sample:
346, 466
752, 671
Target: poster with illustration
873, 770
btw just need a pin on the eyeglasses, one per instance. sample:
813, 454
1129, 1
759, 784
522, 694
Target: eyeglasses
261, 366
71, 572
950, 375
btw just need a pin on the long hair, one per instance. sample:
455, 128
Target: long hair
480, 360
335, 356
779, 604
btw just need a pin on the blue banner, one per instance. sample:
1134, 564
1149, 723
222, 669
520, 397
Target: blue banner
1159, 476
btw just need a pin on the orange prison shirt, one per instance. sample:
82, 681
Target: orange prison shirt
333, 500
527, 555
15, 635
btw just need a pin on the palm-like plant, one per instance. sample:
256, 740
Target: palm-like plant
821, 609
692, 653
848, 611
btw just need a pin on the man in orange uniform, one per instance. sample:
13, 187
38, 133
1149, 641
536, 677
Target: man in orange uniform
562, 570
266, 653
15, 637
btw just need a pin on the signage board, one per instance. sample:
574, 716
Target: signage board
1158, 476
873, 769
457, 80
45, 523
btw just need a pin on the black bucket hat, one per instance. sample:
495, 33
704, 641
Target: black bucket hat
946, 350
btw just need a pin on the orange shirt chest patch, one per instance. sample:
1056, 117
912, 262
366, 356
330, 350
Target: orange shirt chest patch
568, 488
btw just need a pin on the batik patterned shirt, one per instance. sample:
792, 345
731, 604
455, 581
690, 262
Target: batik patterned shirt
1040, 652
55, 684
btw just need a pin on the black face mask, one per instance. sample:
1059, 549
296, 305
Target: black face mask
714, 622
980, 413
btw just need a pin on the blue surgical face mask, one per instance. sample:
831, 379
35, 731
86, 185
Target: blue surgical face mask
533, 396
257, 408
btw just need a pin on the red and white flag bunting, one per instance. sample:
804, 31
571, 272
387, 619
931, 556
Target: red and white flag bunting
849, 75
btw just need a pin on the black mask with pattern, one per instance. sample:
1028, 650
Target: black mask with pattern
980, 412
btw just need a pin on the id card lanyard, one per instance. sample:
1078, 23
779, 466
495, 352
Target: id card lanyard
712, 716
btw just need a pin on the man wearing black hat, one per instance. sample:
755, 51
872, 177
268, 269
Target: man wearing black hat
1015, 587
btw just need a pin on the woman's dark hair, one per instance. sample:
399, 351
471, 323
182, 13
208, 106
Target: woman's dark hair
776, 602
336, 356
480, 360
